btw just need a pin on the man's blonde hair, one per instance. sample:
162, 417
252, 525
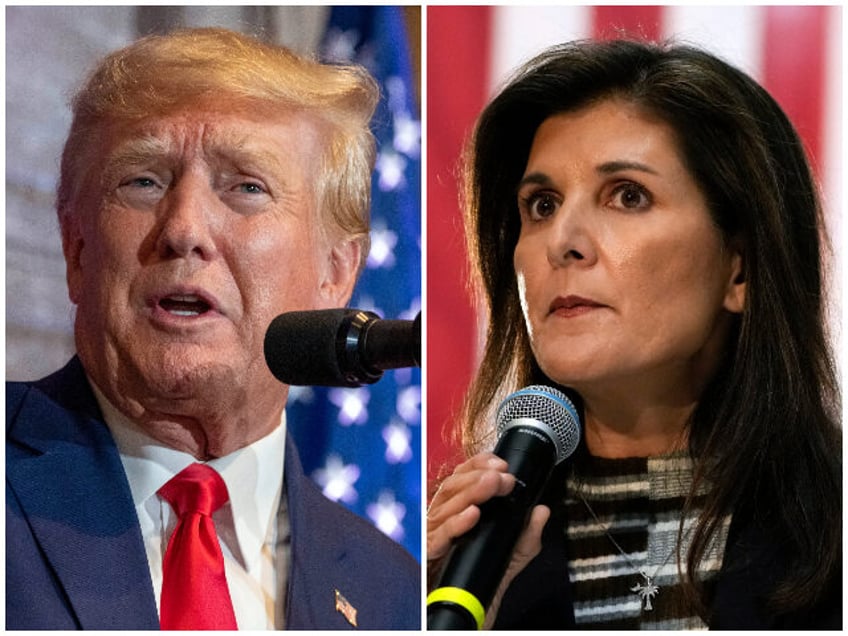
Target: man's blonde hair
160, 74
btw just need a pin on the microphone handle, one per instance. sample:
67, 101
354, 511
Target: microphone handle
479, 559
449, 617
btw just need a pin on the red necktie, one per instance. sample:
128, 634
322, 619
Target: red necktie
194, 587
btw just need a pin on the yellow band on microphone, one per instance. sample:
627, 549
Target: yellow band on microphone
463, 598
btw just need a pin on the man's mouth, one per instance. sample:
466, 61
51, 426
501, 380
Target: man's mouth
184, 305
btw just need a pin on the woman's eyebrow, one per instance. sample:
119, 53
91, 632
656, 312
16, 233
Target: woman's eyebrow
611, 167
608, 167
534, 178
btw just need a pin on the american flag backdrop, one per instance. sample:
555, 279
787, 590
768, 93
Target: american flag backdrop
363, 446
794, 51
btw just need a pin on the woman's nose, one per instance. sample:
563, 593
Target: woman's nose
572, 236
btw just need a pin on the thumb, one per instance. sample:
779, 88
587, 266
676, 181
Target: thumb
530, 542
527, 547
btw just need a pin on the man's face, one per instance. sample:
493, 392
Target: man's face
193, 231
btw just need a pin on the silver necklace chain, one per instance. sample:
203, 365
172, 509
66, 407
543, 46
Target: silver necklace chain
646, 589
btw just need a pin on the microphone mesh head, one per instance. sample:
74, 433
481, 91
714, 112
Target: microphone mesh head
554, 412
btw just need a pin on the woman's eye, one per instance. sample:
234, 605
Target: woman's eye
631, 196
540, 205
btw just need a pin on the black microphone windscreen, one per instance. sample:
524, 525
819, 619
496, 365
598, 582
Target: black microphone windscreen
300, 347
339, 347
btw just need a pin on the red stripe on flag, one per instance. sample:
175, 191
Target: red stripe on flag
627, 21
458, 45
794, 68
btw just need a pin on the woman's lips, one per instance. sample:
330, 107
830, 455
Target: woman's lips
571, 306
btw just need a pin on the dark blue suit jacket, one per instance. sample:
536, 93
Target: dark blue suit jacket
74, 553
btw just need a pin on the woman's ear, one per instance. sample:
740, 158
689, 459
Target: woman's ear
734, 297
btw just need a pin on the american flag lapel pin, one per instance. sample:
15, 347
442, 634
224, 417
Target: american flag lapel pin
344, 608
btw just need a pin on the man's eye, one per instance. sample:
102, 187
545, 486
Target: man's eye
141, 192
141, 182
251, 188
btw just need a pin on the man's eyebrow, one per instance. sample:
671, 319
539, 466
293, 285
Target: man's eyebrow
245, 152
611, 167
138, 150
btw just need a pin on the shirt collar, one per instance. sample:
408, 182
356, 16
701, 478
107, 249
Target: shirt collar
253, 474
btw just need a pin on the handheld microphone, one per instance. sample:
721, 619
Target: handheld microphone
538, 427
339, 347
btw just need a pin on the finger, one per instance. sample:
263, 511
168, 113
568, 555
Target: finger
455, 508
441, 537
468, 488
481, 461
450, 517
527, 547
529, 544
477, 486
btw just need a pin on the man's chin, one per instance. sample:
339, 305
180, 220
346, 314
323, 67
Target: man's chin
182, 373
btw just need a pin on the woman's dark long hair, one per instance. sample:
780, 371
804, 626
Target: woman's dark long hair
765, 432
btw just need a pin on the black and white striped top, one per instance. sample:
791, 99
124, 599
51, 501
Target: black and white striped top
639, 501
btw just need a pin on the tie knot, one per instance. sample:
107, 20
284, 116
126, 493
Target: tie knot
197, 488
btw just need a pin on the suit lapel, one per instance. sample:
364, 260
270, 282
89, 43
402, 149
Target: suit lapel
71, 486
318, 555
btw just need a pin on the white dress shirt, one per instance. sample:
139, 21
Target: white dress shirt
247, 525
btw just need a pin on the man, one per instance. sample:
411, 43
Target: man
209, 183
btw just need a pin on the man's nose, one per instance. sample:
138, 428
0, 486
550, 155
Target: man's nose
188, 222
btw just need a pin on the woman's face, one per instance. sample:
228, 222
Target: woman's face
625, 282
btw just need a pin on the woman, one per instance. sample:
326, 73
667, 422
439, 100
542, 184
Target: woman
647, 235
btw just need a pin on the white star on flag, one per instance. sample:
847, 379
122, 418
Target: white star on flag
337, 478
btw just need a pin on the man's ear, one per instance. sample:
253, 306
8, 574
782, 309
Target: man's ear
737, 283
341, 272
72, 246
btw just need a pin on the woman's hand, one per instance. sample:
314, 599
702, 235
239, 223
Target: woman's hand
455, 509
